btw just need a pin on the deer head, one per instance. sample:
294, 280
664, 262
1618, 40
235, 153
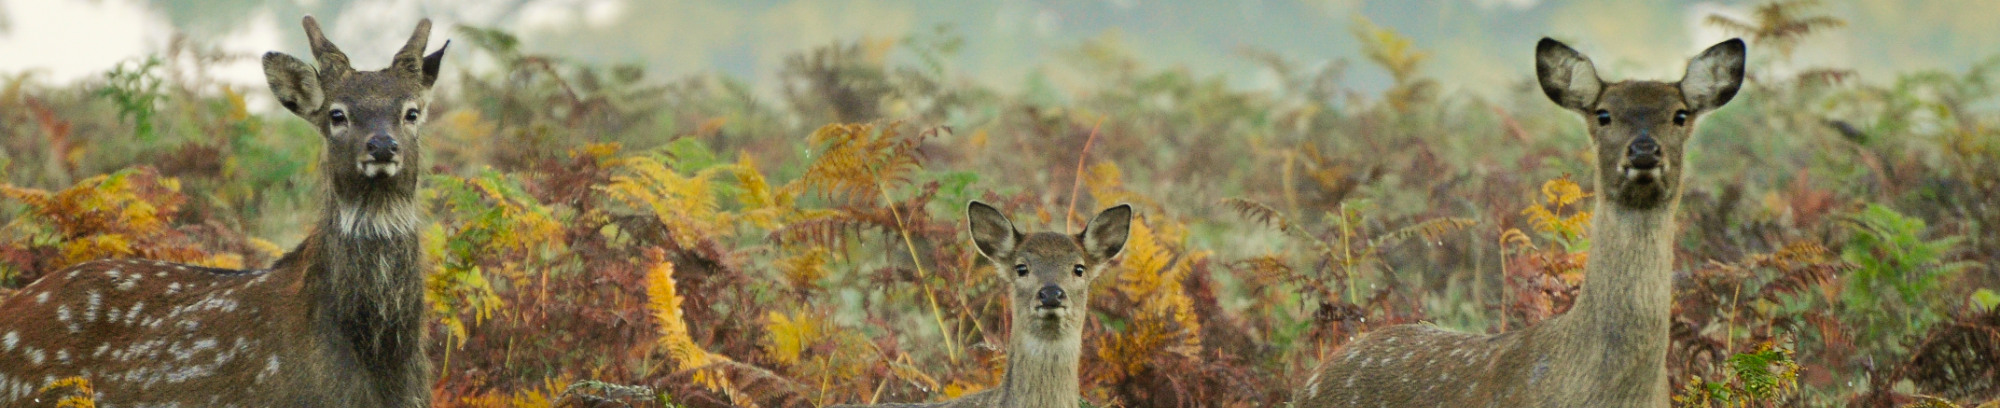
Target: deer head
1048, 273
1639, 129
369, 120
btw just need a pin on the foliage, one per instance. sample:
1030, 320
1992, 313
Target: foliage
78, 392
121, 215
1898, 270
135, 87
1781, 24
1757, 378
605, 236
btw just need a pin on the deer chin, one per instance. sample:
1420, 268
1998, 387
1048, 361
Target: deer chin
379, 169
1642, 176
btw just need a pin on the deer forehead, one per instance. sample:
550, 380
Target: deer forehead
1645, 98
1050, 248
375, 89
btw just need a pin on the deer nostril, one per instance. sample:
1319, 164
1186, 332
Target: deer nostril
1051, 296
382, 148
1645, 153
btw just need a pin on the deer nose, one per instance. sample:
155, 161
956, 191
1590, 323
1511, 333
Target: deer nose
1051, 296
382, 148
1644, 152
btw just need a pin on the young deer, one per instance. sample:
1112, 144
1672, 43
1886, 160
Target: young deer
1610, 349
337, 322
1049, 275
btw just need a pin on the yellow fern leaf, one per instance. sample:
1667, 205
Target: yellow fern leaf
1151, 275
859, 160
804, 270
788, 336
1561, 191
96, 247
224, 261
78, 393
687, 205
960, 389
665, 306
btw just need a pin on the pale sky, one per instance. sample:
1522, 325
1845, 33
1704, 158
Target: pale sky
1478, 45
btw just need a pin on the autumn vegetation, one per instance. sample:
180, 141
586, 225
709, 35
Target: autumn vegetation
603, 235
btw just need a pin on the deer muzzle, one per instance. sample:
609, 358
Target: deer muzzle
1643, 163
381, 156
1050, 297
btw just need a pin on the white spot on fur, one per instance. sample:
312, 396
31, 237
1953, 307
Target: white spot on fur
42, 298
35, 355
10, 340
271, 366
92, 302
62, 315
133, 315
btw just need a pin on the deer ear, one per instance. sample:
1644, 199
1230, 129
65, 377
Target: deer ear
1567, 76
1714, 76
992, 233
433, 62
1105, 236
294, 83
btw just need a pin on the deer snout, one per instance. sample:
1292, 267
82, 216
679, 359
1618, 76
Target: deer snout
382, 147
1644, 153
1051, 296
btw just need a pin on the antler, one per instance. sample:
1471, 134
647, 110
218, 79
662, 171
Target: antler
332, 63
410, 60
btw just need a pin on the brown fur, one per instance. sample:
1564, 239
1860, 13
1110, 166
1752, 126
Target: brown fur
1610, 349
336, 322
1045, 345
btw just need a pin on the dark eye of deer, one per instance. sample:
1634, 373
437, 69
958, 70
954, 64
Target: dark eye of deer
1021, 269
1680, 117
1603, 117
1079, 270
337, 117
411, 116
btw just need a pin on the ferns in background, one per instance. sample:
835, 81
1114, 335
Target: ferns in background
603, 237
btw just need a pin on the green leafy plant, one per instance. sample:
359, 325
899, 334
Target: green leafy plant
134, 86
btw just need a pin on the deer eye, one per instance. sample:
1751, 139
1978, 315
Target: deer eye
1021, 269
1680, 117
1079, 270
1603, 117
337, 117
412, 115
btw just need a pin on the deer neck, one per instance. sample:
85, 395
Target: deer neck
1041, 372
364, 269
1619, 325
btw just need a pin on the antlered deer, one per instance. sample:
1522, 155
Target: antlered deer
1610, 349
336, 322
1048, 277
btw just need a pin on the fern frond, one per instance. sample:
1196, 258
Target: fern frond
1513, 237
76, 392
1430, 230
1259, 212
859, 160
787, 335
665, 306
